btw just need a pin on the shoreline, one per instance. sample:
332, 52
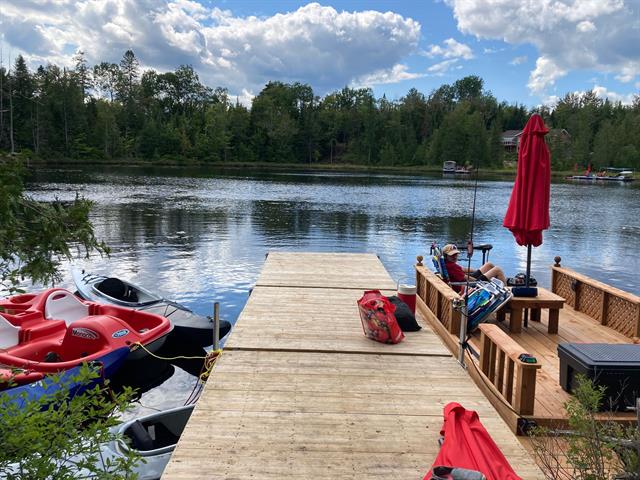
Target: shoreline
319, 167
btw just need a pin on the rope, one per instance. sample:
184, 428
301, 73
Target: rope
210, 360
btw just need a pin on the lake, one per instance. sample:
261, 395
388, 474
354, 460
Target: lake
201, 235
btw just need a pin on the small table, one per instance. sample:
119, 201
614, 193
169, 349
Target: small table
545, 299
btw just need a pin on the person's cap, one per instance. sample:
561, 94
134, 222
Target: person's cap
450, 249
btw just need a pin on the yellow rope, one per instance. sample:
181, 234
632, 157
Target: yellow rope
209, 360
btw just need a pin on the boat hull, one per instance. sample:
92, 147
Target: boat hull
105, 367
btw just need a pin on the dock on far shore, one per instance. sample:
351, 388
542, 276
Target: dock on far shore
300, 392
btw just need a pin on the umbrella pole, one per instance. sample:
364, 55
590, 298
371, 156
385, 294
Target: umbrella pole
526, 284
528, 264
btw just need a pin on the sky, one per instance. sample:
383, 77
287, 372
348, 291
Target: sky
529, 52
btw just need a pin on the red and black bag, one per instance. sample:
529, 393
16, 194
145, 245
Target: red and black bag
378, 320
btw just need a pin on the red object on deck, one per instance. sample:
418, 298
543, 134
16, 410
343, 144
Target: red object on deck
528, 212
467, 444
408, 293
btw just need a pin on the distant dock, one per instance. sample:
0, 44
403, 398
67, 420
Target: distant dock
299, 392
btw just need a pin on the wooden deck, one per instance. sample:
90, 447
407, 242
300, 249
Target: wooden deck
300, 393
574, 327
545, 397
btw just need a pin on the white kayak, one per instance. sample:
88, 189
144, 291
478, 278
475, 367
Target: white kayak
153, 437
99, 288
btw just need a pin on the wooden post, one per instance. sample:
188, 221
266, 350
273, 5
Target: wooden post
492, 363
456, 320
525, 390
577, 290
216, 326
500, 380
508, 393
554, 316
554, 275
485, 348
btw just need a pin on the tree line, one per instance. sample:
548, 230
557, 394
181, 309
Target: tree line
115, 111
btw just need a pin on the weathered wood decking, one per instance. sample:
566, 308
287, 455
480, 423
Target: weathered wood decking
299, 392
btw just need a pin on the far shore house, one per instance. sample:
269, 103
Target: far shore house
510, 140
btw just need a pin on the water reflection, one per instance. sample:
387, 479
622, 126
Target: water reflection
200, 235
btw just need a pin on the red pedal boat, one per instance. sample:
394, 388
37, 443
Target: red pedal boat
54, 331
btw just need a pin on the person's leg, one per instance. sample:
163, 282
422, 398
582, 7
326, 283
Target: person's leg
486, 267
496, 272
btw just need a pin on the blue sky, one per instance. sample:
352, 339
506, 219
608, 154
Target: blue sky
527, 51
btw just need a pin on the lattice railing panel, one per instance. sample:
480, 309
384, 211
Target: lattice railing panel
622, 315
590, 301
613, 307
564, 289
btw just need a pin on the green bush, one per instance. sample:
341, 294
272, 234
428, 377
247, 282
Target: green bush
58, 436
593, 447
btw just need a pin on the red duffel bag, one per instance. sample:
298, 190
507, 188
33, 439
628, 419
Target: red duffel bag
378, 320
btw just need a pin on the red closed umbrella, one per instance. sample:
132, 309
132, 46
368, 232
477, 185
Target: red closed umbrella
528, 212
467, 444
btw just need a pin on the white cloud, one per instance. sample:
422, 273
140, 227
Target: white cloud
492, 50
519, 60
393, 75
570, 35
603, 93
439, 69
551, 101
544, 75
586, 26
451, 49
313, 44
245, 97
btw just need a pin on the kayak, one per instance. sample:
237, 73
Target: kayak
98, 288
153, 437
105, 366
55, 331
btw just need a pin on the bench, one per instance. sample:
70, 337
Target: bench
512, 378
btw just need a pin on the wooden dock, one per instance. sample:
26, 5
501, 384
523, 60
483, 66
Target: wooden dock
299, 392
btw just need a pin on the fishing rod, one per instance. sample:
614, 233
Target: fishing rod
463, 342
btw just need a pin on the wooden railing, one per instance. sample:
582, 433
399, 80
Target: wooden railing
510, 378
438, 297
611, 306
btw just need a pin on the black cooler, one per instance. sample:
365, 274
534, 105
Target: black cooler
616, 367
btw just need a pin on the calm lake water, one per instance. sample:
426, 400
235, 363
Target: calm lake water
200, 236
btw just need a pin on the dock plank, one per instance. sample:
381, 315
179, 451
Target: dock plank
300, 393
361, 271
369, 420
314, 319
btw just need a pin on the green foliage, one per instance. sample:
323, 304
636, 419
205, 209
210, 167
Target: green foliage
58, 436
593, 448
36, 236
115, 110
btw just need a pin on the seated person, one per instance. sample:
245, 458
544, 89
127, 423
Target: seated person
458, 274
